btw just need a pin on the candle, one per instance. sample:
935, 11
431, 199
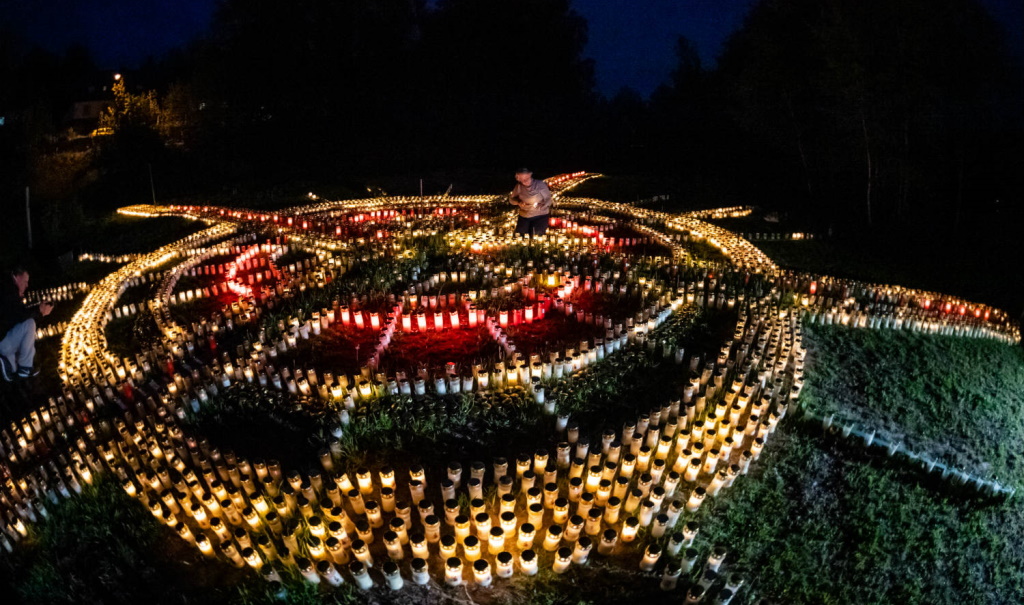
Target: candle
593, 523
432, 528
528, 562
461, 527
360, 575
420, 572
650, 558
582, 550
495, 541
629, 529
563, 559
670, 576
420, 548
471, 545
307, 571
503, 564
329, 573
393, 545
448, 546
553, 538
362, 552
716, 557
482, 573
695, 500
453, 571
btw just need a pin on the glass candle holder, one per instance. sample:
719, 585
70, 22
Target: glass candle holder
629, 529
575, 489
451, 511
550, 494
650, 558
553, 538
476, 488
527, 532
585, 504
361, 551
670, 577
604, 491
608, 541
581, 552
471, 546
563, 560
576, 467
393, 545
716, 557
534, 496
336, 550
695, 500
690, 530
453, 571
646, 512
329, 574
398, 526
528, 562
593, 523
573, 528
503, 564
593, 478
461, 527
483, 526
447, 489
482, 573
432, 528
675, 544
420, 571
420, 547
374, 514
448, 546
360, 575
535, 514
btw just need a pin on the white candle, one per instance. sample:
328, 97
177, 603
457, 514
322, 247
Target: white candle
528, 562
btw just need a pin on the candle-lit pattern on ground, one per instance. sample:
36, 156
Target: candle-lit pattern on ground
604, 281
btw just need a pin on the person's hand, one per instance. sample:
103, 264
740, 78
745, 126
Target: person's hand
45, 308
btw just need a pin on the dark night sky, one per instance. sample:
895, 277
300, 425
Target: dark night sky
631, 41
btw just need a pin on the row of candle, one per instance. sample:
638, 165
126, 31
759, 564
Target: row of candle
706, 381
57, 293
872, 439
84, 339
945, 326
100, 257
717, 236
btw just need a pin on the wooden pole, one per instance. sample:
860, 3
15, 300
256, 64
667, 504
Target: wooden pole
28, 217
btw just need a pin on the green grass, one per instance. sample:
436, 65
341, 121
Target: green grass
817, 522
956, 399
104, 547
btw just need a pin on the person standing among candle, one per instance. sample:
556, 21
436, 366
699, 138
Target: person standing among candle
533, 198
18, 325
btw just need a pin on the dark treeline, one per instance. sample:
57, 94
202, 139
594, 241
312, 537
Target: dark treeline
854, 112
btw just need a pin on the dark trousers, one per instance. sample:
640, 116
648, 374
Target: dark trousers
535, 225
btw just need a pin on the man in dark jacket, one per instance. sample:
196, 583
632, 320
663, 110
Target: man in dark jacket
18, 325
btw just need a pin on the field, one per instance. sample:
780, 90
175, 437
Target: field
821, 517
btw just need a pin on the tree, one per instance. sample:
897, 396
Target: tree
873, 103
131, 111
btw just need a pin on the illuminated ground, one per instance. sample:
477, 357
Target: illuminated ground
628, 379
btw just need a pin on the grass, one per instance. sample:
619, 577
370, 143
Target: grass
819, 523
104, 547
953, 398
